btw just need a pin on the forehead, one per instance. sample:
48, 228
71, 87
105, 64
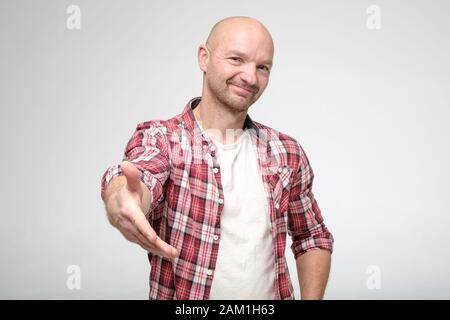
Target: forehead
254, 42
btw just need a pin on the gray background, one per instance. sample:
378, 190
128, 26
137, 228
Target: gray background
370, 108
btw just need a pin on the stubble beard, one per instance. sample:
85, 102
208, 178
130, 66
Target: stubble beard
229, 100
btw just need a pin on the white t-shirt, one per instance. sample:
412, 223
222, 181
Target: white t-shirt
245, 267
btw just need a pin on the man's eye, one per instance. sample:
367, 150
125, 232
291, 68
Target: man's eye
236, 59
264, 68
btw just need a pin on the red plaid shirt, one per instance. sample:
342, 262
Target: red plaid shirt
177, 162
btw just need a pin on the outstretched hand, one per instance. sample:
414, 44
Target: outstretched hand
125, 213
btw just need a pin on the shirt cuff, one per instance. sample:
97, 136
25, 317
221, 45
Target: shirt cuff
318, 239
153, 184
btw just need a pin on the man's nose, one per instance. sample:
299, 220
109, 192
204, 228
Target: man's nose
249, 74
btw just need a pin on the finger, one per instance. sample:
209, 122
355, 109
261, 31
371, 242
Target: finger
143, 227
130, 236
131, 225
142, 230
132, 174
145, 243
158, 247
163, 254
166, 249
156, 244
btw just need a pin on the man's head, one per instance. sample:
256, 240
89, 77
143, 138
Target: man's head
236, 62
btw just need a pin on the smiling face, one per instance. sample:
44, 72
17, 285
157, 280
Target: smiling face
236, 62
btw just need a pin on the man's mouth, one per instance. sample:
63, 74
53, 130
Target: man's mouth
246, 89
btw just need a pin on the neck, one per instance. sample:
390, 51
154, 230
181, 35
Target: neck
222, 123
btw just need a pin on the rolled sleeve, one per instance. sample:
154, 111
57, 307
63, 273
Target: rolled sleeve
305, 223
148, 150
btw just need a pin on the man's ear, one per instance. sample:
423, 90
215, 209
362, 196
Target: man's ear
203, 56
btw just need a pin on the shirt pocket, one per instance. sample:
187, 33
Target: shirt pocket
175, 192
280, 186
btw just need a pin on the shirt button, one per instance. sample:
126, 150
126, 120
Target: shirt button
209, 272
277, 206
205, 146
216, 170
221, 201
213, 148
216, 237
280, 169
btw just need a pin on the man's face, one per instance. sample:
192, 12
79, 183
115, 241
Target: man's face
238, 67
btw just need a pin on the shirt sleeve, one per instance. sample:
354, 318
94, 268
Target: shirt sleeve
148, 151
305, 223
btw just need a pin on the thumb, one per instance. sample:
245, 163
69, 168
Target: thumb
133, 176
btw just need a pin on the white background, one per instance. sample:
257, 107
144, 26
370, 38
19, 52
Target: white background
370, 108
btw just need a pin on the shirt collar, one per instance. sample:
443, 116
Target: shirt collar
189, 122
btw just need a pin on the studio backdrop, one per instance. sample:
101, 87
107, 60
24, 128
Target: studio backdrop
364, 86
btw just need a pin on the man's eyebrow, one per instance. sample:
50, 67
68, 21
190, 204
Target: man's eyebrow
242, 54
268, 62
237, 53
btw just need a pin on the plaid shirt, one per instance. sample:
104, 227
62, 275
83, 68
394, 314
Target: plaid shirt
177, 162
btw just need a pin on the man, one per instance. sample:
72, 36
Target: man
210, 194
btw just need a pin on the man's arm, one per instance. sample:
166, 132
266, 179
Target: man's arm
312, 242
133, 189
313, 268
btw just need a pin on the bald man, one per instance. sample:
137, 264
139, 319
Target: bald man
210, 194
